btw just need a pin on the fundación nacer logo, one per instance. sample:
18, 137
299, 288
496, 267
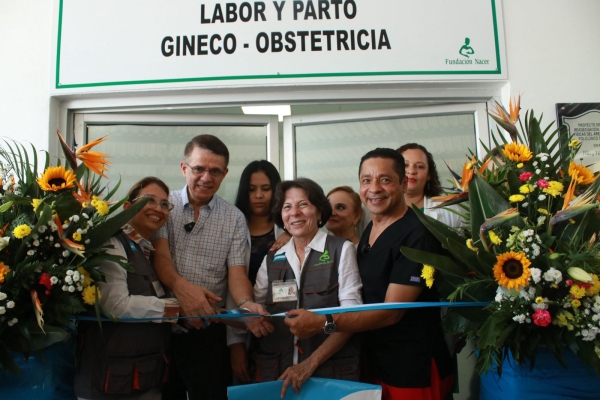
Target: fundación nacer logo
467, 51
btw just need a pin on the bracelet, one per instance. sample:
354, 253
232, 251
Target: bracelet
242, 302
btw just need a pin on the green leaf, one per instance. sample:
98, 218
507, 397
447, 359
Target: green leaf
485, 202
437, 261
102, 232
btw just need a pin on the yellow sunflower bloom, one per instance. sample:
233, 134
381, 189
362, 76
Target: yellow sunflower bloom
3, 271
576, 303
56, 178
89, 295
517, 152
516, 198
427, 273
494, 238
77, 236
101, 206
512, 270
595, 288
22, 231
581, 174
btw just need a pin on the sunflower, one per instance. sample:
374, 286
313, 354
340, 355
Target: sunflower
517, 152
56, 178
427, 273
512, 270
89, 295
581, 174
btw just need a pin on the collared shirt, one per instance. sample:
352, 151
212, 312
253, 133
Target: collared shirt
218, 240
443, 214
115, 293
349, 292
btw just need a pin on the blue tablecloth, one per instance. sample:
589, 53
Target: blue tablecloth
547, 381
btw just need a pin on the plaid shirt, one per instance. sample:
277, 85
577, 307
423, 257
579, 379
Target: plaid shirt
218, 240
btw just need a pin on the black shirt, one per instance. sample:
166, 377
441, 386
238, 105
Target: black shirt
400, 355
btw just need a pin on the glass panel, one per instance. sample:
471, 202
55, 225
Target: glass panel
330, 153
157, 150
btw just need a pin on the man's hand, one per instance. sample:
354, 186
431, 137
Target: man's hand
239, 361
195, 300
258, 326
304, 324
297, 375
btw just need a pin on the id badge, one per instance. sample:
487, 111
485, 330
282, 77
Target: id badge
160, 292
285, 291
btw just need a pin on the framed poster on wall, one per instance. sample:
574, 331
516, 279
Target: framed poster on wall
582, 120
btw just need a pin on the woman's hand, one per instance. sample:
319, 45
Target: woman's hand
297, 375
281, 241
239, 361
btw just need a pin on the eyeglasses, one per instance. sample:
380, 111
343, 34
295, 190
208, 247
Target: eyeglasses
165, 206
213, 172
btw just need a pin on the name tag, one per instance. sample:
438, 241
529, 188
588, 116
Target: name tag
285, 291
160, 292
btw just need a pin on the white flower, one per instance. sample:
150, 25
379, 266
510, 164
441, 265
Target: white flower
528, 320
2, 310
80, 231
75, 276
541, 219
535, 163
10, 304
90, 223
53, 226
65, 288
2, 296
537, 171
85, 215
74, 218
71, 288
4, 242
536, 274
553, 275
542, 197
69, 272
536, 249
87, 241
12, 322
79, 288
54, 280
42, 228
65, 226
65, 253
519, 318
543, 156
57, 245
31, 252
36, 243
50, 238
524, 205
68, 279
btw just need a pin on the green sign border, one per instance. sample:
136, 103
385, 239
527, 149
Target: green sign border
496, 71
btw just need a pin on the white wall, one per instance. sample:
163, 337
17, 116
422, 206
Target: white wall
553, 52
25, 49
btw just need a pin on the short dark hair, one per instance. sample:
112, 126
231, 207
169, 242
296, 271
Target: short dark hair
382, 152
315, 195
137, 187
207, 142
433, 188
242, 200
353, 195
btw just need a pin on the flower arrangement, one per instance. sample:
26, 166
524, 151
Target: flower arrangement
51, 234
530, 247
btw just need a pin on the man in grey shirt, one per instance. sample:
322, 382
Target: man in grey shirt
201, 253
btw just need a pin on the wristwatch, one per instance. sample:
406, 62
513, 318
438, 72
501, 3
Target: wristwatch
330, 326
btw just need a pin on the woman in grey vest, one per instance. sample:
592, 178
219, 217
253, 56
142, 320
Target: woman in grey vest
314, 270
128, 360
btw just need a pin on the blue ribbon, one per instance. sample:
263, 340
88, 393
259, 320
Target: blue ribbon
235, 314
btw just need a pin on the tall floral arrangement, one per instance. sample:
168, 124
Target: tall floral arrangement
530, 246
52, 228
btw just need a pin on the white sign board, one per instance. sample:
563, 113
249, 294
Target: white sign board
199, 43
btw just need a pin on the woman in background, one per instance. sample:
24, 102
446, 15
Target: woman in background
347, 212
424, 183
255, 200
